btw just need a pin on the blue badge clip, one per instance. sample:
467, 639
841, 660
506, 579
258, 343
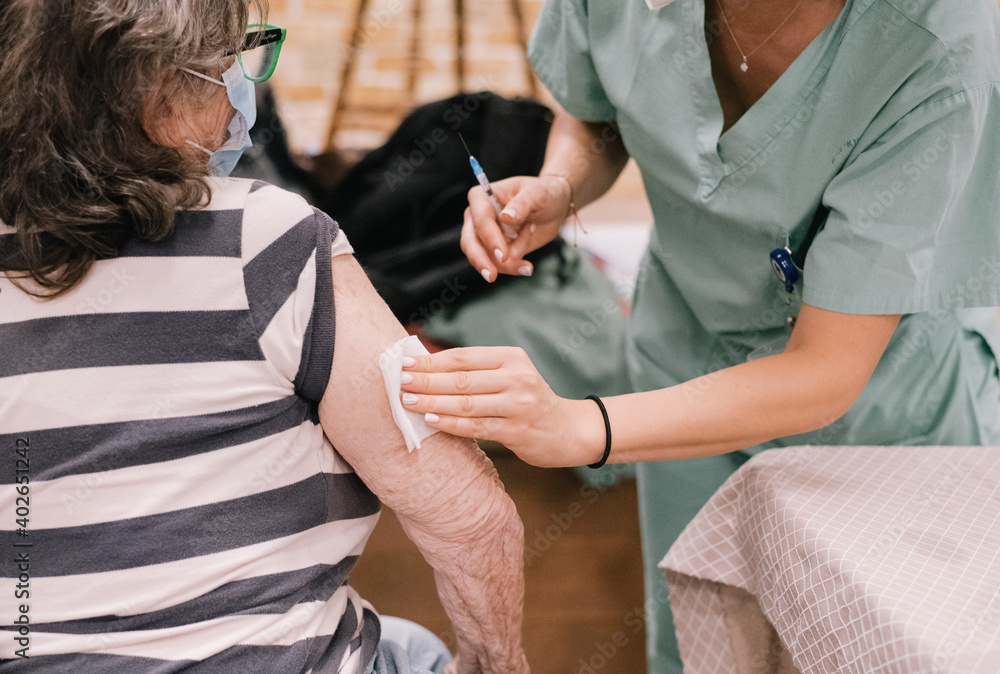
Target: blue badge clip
784, 268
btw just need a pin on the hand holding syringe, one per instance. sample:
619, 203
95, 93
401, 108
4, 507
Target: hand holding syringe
495, 238
480, 174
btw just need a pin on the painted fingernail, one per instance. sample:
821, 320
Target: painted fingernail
409, 362
406, 378
409, 399
498, 254
431, 418
486, 275
524, 271
510, 212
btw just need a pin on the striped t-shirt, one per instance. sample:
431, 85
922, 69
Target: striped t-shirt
183, 508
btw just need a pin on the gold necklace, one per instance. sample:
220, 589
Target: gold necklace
743, 66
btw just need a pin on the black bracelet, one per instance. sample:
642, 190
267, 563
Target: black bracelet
607, 434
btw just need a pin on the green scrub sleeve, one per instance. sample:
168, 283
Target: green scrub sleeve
559, 49
914, 217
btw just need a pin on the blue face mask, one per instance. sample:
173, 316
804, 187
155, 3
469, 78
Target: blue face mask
244, 100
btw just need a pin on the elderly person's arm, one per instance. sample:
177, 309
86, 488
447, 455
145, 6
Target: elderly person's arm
446, 494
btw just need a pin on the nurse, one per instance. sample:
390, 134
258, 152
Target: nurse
854, 146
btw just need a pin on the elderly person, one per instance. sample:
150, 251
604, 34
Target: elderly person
197, 434
853, 145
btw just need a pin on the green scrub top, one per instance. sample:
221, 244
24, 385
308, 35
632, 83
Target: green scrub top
875, 157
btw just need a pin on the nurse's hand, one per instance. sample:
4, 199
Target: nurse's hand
495, 393
534, 209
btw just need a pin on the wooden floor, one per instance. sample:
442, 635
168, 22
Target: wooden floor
583, 573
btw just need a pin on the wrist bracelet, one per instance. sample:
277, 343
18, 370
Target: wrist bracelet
607, 433
569, 184
577, 224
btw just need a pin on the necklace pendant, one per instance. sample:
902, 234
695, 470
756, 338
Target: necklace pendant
743, 66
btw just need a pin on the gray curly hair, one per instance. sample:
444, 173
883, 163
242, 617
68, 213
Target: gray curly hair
79, 173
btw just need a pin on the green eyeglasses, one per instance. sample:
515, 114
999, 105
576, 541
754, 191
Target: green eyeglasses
259, 55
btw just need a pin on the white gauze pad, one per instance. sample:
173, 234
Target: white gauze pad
391, 362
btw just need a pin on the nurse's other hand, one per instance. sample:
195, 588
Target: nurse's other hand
495, 393
534, 209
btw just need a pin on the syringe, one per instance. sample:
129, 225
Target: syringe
484, 182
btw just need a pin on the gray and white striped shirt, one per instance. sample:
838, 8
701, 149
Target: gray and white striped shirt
186, 511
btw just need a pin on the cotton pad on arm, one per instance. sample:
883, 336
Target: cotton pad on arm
411, 424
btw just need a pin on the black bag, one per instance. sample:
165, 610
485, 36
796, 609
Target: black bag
402, 205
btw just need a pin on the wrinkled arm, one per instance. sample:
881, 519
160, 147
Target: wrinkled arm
446, 494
